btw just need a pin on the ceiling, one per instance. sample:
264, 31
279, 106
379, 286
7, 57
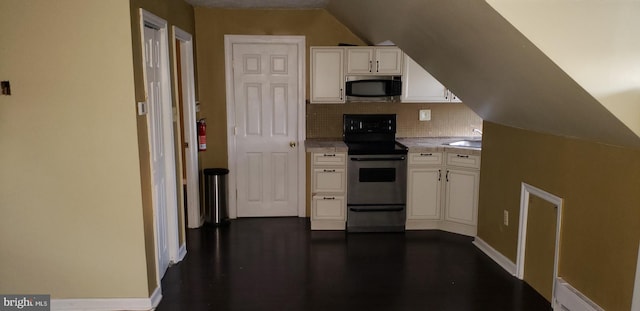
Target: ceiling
507, 66
260, 4
505, 77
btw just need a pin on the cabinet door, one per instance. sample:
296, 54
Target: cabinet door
423, 201
454, 98
325, 207
328, 180
359, 60
327, 75
331, 159
388, 61
461, 196
420, 86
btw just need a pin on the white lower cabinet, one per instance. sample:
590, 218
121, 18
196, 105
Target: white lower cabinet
328, 191
328, 180
424, 193
443, 195
461, 196
328, 207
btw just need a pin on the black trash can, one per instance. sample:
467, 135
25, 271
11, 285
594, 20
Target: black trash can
215, 196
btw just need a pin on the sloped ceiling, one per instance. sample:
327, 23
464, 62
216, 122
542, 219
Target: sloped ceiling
262, 4
497, 71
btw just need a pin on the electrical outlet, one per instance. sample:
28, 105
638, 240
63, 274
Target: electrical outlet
506, 218
425, 114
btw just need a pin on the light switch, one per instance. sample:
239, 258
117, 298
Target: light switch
425, 114
142, 108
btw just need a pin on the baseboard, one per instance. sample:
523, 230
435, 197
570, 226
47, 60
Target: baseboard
464, 229
449, 226
500, 259
568, 298
328, 225
422, 224
109, 304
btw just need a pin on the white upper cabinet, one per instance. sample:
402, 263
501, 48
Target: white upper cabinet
418, 86
369, 60
327, 75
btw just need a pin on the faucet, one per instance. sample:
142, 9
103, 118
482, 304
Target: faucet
477, 131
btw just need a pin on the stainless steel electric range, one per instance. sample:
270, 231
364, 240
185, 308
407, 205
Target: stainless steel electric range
376, 174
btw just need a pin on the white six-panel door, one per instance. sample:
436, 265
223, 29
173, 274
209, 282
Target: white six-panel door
266, 80
156, 142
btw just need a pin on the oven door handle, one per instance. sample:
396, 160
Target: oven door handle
379, 159
369, 209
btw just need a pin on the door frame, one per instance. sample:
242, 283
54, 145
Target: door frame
194, 219
635, 301
170, 161
526, 191
229, 40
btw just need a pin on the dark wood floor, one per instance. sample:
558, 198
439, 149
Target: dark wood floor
279, 264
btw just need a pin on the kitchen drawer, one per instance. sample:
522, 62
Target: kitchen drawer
329, 179
425, 158
325, 207
335, 158
463, 160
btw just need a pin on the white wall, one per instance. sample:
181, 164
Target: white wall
70, 195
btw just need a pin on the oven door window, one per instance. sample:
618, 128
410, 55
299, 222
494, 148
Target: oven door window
377, 175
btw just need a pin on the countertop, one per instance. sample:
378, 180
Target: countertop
325, 145
435, 144
415, 144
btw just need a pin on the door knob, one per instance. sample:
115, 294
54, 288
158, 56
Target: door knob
292, 144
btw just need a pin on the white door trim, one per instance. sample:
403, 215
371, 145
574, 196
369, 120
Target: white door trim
229, 40
526, 191
167, 112
635, 302
189, 123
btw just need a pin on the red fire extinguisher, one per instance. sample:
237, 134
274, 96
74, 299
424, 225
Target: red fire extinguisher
202, 135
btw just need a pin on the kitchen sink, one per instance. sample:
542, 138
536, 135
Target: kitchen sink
472, 143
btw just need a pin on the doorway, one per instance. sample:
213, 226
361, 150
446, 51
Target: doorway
155, 49
539, 239
187, 99
265, 115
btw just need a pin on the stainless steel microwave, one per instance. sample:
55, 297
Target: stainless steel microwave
375, 88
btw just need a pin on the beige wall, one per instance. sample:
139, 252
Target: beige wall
70, 203
601, 220
180, 14
447, 120
319, 27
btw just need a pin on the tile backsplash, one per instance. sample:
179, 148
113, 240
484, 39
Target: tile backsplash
447, 120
